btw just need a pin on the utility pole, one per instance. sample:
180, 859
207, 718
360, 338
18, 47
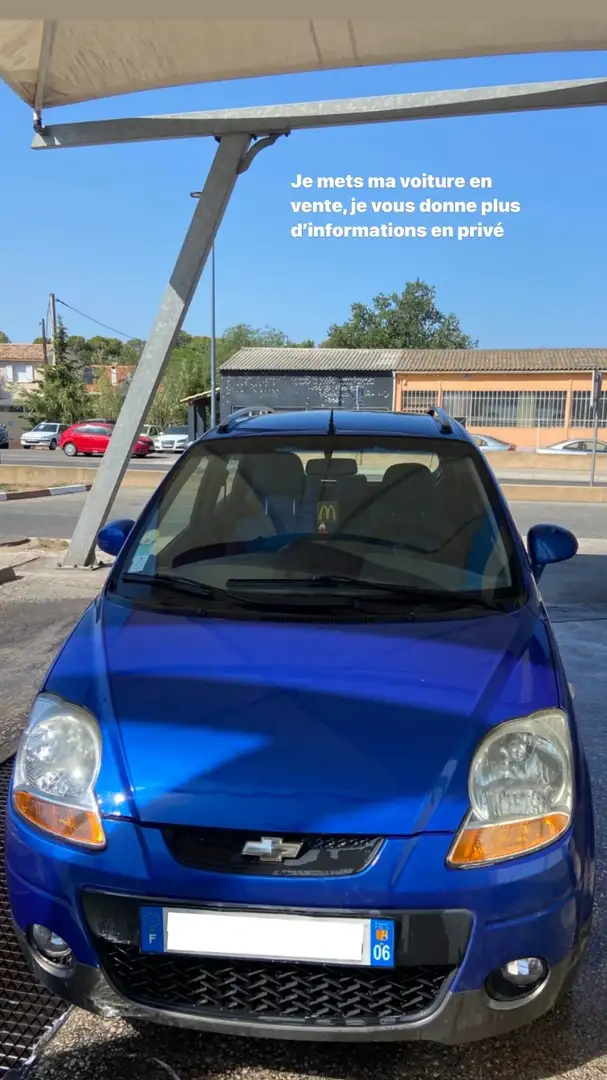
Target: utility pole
213, 357
44, 352
53, 310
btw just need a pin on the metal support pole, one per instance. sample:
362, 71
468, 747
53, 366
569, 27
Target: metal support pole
594, 442
597, 386
194, 253
213, 346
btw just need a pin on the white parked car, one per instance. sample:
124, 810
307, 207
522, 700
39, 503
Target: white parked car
151, 430
175, 439
45, 434
574, 446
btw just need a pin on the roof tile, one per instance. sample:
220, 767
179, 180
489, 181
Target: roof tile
417, 361
15, 353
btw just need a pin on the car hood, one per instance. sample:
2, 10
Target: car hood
298, 727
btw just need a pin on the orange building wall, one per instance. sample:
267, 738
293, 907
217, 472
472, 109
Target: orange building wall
522, 437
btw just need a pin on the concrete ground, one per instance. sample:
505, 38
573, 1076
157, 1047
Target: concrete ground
38, 610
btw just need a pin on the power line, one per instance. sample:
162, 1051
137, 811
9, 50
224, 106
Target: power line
91, 319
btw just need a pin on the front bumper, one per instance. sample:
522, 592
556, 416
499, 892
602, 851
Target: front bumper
456, 1017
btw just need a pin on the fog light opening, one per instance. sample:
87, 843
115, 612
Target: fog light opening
517, 979
50, 946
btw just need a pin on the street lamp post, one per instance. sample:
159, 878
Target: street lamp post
213, 357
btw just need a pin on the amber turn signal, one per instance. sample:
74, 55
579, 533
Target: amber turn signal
478, 844
78, 826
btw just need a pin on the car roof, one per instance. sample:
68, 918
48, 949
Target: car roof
346, 422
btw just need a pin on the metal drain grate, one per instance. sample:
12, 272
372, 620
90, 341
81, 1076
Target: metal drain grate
28, 1013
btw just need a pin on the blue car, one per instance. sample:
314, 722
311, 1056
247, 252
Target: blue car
308, 768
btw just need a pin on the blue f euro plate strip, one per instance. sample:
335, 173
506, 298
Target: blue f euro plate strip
152, 929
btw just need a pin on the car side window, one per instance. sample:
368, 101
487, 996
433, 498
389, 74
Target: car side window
176, 515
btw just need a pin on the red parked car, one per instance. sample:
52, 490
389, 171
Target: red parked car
93, 436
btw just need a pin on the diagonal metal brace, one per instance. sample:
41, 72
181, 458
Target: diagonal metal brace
250, 155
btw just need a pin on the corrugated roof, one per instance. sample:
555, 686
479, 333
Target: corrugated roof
417, 361
14, 353
59, 62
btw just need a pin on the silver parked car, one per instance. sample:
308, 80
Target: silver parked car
574, 446
175, 439
45, 434
487, 443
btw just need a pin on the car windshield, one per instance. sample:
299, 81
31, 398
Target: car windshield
270, 520
45, 427
176, 431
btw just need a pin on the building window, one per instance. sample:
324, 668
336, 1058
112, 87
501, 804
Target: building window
507, 408
418, 401
581, 409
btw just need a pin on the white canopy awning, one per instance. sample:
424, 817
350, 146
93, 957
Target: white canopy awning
67, 61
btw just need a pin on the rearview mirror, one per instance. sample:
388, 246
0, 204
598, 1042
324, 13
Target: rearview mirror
548, 544
112, 537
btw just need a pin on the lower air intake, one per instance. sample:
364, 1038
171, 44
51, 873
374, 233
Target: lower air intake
255, 991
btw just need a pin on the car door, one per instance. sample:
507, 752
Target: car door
102, 437
81, 438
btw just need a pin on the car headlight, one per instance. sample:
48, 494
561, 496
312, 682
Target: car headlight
56, 768
521, 791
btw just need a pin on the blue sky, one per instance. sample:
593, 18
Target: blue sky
101, 226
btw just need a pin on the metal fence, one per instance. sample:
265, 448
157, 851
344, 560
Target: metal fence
418, 401
496, 408
581, 409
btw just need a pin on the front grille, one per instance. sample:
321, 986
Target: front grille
220, 850
313, 995
28, 1013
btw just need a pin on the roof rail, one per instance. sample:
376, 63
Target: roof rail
443, 420
243, 414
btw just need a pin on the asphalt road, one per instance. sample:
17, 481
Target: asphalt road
59, 460
56, 517
164, 461
571, 1044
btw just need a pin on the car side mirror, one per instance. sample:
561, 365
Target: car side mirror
112, 537
548, 544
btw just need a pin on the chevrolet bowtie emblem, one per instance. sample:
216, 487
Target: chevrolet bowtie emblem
272, 849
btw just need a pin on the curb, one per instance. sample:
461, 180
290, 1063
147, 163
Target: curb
37, 493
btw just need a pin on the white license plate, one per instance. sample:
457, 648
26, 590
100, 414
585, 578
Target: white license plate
268, 936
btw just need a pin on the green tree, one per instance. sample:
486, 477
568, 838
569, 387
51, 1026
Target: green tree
407, 320
105, 350
80, 349
4, 338
61, 394
107, 398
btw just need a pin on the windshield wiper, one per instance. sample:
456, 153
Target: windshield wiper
408, 593
187, 587
173, 584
